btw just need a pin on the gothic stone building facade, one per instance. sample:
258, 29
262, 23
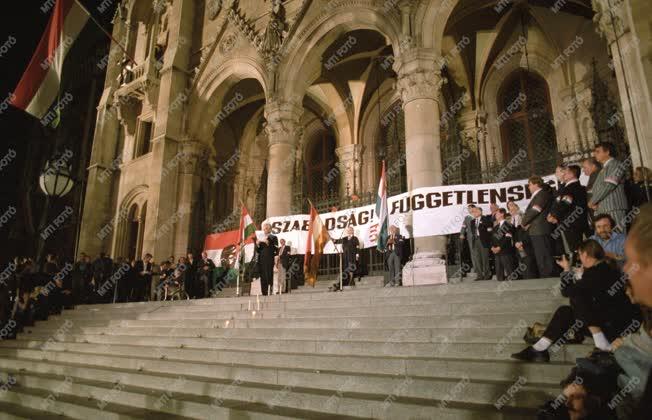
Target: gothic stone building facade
270, 102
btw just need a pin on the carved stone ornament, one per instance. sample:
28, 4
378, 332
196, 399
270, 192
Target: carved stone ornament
228, 43
213, 8
609, 14
274, 31
420, 84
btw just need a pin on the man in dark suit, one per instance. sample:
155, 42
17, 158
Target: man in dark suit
481, 228
102, 271
535, 223
194, 288
599, 306
205, 269
395, 254
350, 258
502, 246
569, 212
268, 250
143, 270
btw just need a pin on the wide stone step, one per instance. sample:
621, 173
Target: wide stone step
219, 351
174, 327
396, 311
82, 398
345, 302
193, 397
497, 288
466, 332
318, 367
17, 412
439, 352
58, 399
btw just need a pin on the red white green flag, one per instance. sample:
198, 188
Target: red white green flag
38, 88
247, 226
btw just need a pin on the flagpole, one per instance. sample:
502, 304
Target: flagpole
240, 259
308, 248
106, 32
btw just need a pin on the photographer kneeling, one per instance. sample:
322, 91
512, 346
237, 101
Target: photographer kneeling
598, 305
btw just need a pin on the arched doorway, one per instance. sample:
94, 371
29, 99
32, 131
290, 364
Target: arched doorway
528, 139
135, 231
322, 175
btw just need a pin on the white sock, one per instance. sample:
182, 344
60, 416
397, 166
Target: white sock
542, 344
601, 341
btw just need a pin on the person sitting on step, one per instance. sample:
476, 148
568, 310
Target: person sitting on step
598, 305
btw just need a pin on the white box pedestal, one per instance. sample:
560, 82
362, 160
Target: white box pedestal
425, 268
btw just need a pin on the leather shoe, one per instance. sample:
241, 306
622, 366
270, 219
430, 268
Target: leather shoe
531, 355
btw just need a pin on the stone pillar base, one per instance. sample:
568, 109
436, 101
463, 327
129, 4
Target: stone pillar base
425, 268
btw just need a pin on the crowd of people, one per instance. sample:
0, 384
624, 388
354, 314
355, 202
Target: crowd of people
598, 240
610, 302
29, 291
512, 243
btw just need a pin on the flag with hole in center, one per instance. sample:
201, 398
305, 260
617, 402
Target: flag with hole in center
38, 89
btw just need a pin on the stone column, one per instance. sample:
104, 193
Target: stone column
349, 165
192, 163
283, 131
626, 47
419, 82
566, 127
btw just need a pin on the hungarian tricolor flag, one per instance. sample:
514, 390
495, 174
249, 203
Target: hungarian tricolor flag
38, 89
318, 237
381, 211
247, 227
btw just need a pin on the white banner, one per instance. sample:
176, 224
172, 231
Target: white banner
419, 213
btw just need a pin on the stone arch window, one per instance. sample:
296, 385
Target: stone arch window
135, 231
322, 173
129, 235
392, 149
528, 139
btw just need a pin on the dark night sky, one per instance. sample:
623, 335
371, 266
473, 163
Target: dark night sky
25, 22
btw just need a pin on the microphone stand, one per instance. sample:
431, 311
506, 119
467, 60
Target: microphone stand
341, 251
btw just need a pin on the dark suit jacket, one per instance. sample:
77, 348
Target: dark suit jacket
485, 229
537, 211
267, 251
503, 236
600, 285
398, 246
571, 207
192, 267
141, 266
284, 256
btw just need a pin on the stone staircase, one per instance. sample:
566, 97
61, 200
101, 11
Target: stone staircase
428, 352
